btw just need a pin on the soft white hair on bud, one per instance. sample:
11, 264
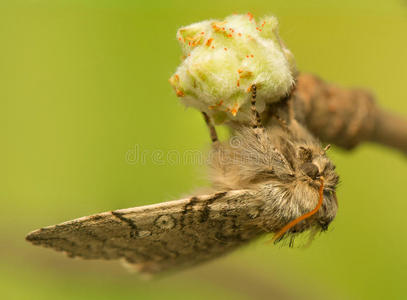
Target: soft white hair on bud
223, 59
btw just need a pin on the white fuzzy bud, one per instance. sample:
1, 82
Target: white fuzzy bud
223, 59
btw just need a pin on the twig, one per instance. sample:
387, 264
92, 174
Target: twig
345, 117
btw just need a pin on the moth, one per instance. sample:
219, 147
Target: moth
274, 179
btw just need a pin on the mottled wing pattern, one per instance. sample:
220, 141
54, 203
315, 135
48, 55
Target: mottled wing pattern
163, 236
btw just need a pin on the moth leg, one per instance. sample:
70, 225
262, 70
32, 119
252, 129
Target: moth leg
212, 130
291, 112
256, 120
281, 121
282, 108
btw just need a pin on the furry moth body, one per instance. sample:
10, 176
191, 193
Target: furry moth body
263, 179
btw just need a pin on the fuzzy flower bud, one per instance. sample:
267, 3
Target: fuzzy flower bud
223, 59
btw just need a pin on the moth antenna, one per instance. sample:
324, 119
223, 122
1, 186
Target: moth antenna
290, 225
256, 120
212, 130
327, 147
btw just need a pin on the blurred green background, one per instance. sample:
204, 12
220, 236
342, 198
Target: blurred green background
83, 82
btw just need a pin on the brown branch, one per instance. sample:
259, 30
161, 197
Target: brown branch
346, 117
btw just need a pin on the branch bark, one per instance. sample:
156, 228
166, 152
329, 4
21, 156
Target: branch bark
346, 117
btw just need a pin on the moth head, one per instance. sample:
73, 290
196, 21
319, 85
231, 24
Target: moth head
316, 180
310, 209
310, 169
314, 164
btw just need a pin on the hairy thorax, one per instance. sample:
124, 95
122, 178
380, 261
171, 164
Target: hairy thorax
286, 167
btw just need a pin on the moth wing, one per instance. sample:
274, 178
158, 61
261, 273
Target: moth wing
163, 236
